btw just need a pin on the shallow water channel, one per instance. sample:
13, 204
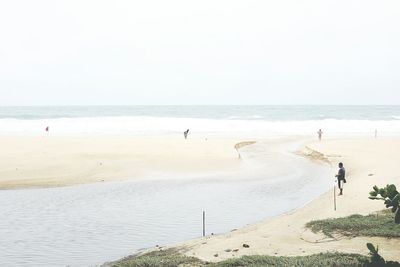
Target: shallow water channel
87, 225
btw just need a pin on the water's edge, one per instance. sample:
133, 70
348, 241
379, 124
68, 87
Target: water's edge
295, 150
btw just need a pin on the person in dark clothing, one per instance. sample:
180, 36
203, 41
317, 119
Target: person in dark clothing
185, 133
341, 177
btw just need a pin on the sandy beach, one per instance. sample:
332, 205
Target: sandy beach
60, 161
368, 162
44, 161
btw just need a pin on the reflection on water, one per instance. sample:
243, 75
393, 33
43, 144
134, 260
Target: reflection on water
88, 225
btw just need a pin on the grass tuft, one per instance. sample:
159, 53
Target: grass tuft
164, 258
381, 224
171, 258
323, 259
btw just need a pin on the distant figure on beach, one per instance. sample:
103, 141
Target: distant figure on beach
185, 133
341, 177
47, 129
319, 134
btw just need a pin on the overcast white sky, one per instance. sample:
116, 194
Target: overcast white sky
199, 52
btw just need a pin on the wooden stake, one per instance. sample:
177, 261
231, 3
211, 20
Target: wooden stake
334, 197
204, 223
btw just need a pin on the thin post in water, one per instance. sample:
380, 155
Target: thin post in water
204, 223
334, 197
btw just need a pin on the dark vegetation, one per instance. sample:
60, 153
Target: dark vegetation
391, 198
379, 224
171, 258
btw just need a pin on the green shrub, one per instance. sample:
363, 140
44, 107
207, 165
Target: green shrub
390, 196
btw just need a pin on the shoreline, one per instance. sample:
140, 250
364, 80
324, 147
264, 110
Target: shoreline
366, 159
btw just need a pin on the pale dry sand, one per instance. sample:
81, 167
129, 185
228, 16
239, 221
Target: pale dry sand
368, 162
59, 161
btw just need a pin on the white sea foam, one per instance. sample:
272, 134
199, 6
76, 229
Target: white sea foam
160, 125
254, 117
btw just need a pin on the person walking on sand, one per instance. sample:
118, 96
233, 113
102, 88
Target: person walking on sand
47, 130
185, 133
341, 177
319, 134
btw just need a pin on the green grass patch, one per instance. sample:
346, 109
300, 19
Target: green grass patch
171, 258
164, 258
381, 224
323, 259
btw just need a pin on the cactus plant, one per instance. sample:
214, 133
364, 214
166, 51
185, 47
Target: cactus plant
390, 196
377, 260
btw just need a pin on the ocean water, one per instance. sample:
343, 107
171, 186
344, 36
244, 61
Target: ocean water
257, 120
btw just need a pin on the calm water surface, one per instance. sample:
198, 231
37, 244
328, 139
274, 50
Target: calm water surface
87, 225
